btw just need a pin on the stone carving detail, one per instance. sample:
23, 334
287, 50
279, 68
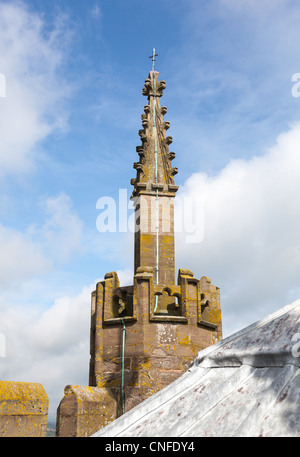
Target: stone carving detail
161, 87
142, 134
148, 88
166, 125
173, 171
122, 302
145, 123
168, 303
140, 170
168, 140
140, 151
138, 166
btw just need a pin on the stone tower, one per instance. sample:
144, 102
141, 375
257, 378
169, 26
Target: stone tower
164, 324
144, 336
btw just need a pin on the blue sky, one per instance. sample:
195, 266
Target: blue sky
74, 74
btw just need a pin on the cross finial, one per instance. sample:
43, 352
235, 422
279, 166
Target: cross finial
153, 58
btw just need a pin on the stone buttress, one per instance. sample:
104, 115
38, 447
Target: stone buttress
145, 336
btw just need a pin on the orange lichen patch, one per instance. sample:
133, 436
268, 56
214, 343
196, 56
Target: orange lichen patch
184, 341
212, 315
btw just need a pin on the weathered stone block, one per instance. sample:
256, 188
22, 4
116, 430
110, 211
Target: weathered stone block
84, 410
23, 409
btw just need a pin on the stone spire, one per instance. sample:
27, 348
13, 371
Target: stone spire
154, 168
154, 188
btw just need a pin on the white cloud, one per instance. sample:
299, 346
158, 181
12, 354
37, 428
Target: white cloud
62, 327
51, 348
62, 230
34, 251
251, 245
125, 276
21, 258
33, 107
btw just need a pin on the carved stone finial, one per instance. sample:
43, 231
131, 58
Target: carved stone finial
154, 167
152, 86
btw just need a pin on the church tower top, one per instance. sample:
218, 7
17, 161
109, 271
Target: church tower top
154, 168
145, 335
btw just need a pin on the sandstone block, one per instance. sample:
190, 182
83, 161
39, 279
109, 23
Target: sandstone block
23, 409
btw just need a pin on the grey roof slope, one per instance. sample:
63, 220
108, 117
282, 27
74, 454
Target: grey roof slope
246, 385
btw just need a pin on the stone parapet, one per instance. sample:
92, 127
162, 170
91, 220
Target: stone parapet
23, 409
